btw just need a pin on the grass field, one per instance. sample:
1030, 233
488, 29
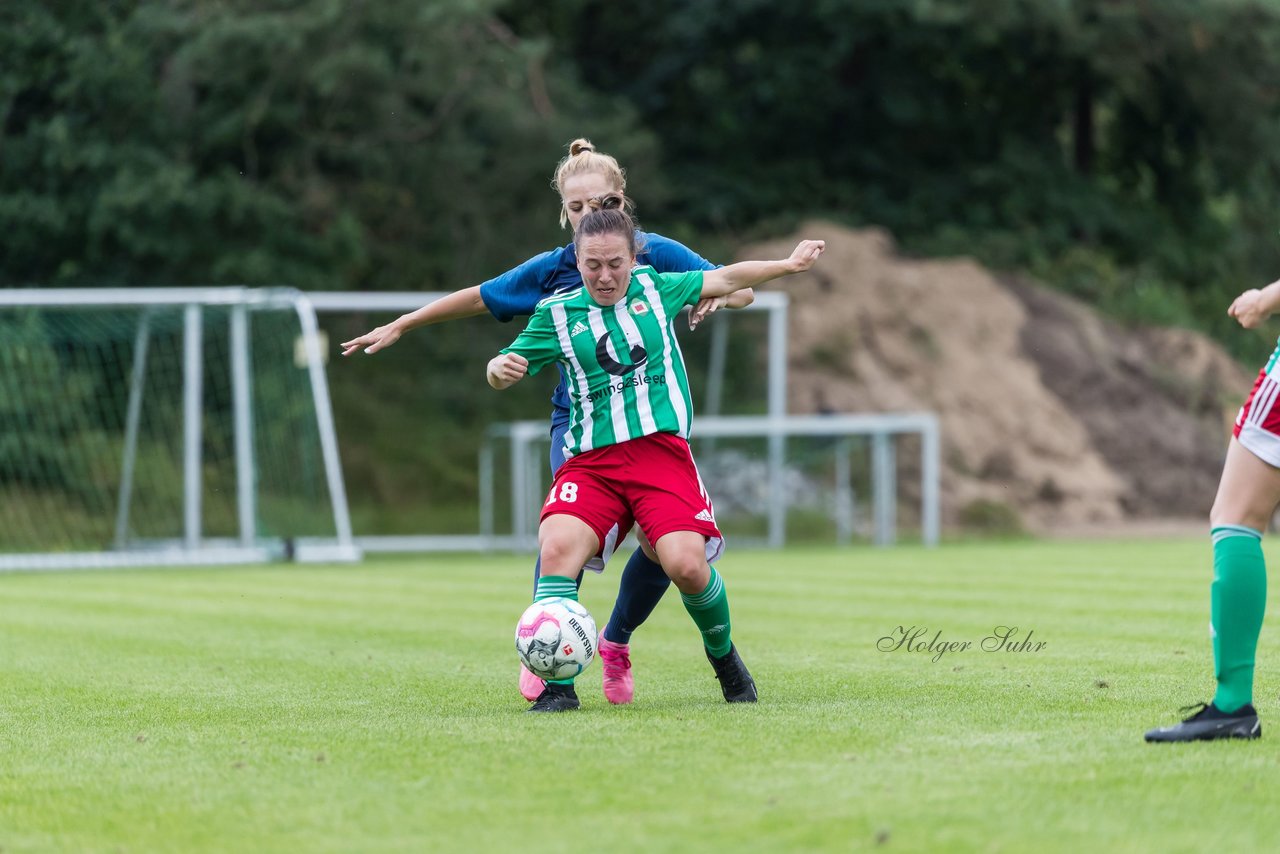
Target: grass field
374, 708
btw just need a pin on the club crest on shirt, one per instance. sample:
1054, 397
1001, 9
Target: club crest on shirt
639, 307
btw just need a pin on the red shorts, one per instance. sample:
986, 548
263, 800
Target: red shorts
651, 481
1258, 424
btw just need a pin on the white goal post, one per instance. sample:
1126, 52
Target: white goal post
129, 352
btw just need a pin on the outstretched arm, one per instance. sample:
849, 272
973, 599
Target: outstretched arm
510, 294
1255, 305
749, 274
457, 305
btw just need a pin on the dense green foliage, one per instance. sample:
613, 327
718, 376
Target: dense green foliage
375, 709
1122, 151
1125, 150
320, 144
333, 144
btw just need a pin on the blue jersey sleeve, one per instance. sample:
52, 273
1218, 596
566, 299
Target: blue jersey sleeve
516, 293
670, 256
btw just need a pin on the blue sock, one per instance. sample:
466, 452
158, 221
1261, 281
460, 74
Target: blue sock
642, 585
537, 574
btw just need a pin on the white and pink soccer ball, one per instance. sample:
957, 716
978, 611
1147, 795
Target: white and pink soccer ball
556, 638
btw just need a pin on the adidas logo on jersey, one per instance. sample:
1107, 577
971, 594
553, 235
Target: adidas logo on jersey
578, 329
705, 516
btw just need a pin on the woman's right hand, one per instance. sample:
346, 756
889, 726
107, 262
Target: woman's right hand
1250, 308
372, 342
805, 253
506, 369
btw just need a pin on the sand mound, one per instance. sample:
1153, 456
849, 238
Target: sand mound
1047, 409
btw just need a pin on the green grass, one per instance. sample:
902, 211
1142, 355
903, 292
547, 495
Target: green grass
374, 708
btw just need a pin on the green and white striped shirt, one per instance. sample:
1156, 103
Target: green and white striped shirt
623, 365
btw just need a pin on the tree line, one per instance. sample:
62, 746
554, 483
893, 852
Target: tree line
336, 144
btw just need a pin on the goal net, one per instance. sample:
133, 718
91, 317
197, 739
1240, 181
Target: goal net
174, 426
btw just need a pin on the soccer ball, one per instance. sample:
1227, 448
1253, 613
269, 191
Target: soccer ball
556, 638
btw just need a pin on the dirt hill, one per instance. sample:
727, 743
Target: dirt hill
1050, 413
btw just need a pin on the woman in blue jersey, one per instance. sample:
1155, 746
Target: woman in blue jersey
1248, 495
587, 180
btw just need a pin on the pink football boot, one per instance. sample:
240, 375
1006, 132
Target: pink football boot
530, 686
619, 686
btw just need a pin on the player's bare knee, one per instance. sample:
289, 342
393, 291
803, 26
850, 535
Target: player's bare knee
1230, 510
688, 571
560, 555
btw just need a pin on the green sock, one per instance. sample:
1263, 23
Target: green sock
551, 587
710, 611
1237, 599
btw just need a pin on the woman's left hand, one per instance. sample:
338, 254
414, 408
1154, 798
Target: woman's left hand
705, 307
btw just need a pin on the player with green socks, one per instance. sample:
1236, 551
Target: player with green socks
627, 451
1248, 495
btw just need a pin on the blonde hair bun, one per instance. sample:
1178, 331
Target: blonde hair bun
583, 159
